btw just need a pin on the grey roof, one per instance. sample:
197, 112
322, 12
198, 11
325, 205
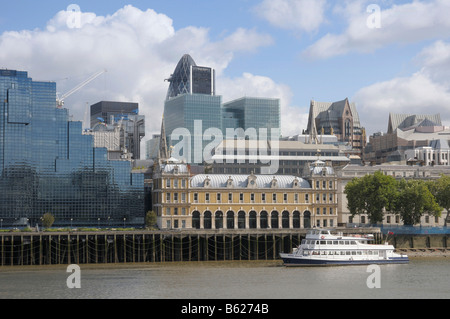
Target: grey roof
241, 181
332, 111
439, 144
404, 121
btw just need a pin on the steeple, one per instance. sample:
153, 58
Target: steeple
313, 139
163, 153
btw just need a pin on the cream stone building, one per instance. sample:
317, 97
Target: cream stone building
215, 201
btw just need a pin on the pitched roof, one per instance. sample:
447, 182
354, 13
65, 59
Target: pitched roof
404, 121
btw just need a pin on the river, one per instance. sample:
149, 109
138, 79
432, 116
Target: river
421, 278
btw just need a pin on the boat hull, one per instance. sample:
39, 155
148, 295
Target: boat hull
296, 261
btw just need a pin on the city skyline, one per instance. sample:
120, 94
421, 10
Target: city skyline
319, 50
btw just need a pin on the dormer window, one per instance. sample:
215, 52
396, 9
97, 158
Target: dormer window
207, 182
274, 183
230, 182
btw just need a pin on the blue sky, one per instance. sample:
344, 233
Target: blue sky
295, 50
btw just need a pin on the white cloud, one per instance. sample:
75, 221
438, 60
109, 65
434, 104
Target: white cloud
426, 91
400, 24
138, 48
301, 15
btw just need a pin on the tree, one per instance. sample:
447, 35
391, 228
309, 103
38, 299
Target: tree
371, 195
413, 200
48, 220
150, 219
441, 190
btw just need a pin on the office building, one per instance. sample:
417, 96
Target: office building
121, 121
48, 166
251, 113
406, 133
191, 107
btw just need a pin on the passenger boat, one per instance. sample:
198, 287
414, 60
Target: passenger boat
321, 248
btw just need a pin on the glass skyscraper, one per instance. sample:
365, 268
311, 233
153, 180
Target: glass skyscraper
48, 166
251, 112
191, 106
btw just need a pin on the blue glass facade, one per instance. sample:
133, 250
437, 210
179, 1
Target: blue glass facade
48, 166
250, 112
185, 111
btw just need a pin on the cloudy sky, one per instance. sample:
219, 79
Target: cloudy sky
387, 56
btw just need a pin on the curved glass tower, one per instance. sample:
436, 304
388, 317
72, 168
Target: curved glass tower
188, 78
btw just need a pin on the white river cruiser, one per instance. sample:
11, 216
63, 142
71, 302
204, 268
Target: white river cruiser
321, 248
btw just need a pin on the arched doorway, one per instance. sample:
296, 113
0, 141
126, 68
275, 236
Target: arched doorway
274, 220
285, 219
296, 219
307, 219
196, 220
252, 219
263, 220
241, 219
207, 220
230, 219
219, 220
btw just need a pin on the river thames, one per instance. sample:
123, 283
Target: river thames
421, 278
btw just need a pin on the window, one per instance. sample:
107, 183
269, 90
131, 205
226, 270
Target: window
175, 197
219, 197
317, 184
195, 197
167, 197
324, 210
175, 210
207, 197
183, 211
285, 197
230, 197
175, 183
306, 198
168, 183
183, 197
274, 197
331, 184
263, 197
183, 183
252, 197
324, 184
241, 197
295, 198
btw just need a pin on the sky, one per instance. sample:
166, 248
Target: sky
386, 56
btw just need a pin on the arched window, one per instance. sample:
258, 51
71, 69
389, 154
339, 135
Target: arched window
196, 220
296, 219
263, 220
307, 219
207, 220
285, 219
219, 220
252, 219
241, 219
274, 220
230, 219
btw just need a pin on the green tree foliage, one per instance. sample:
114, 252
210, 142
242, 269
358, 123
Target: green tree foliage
441, 191
150, 219
48, 220
370, 195
377, 193
413, 199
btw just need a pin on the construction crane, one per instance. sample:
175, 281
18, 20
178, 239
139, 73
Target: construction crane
60, 99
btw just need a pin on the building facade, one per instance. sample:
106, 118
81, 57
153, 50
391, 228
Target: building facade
48, 166
218, 201
122, 118
338, 118
407, 132
251, 113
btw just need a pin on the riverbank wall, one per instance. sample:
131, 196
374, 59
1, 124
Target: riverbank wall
96, 247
